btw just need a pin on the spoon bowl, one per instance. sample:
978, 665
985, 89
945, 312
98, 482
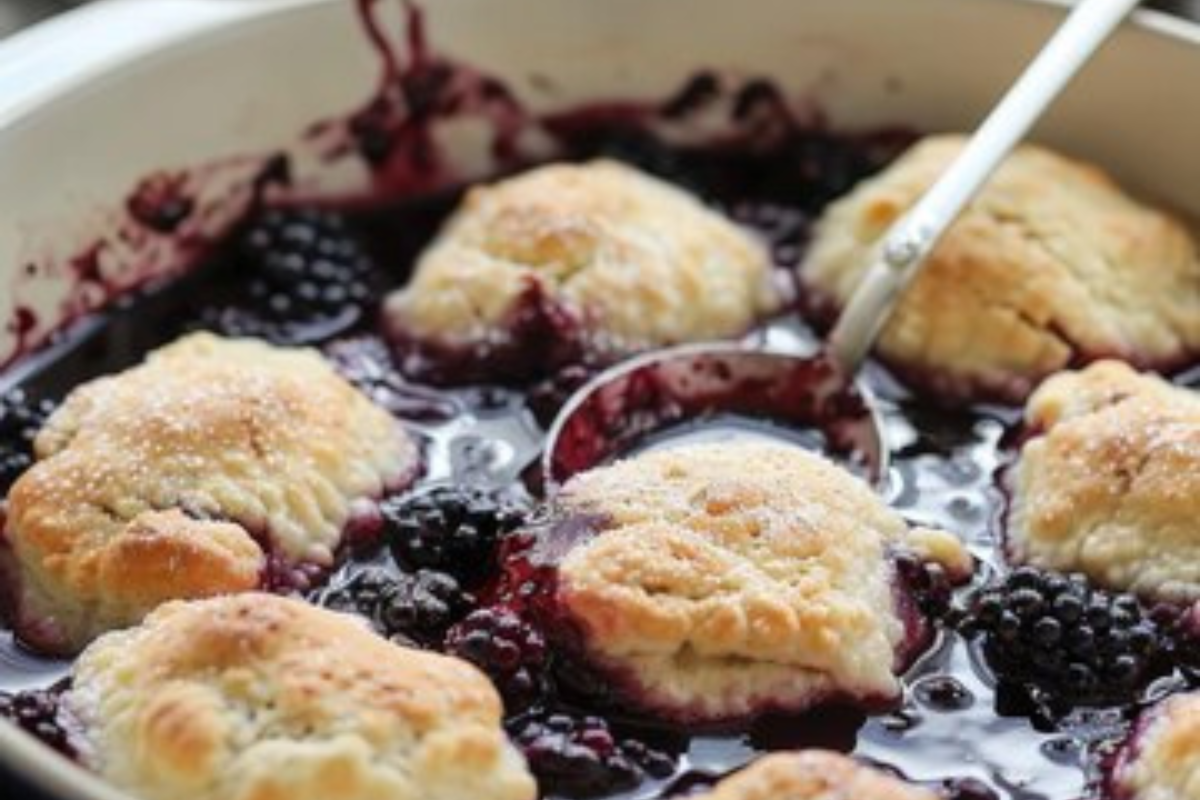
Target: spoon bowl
713, 392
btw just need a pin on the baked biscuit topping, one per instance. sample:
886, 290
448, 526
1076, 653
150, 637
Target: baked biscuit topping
1162, 759
622, 259
181, 477
729, 579
1050, 263
256, 696
1111, 485
813, 775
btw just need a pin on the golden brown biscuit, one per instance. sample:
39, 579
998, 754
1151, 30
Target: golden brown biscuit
631, 261
813, 775
1051, 263
259, 697
728, 579
1110, 485
181, 478
1162, 760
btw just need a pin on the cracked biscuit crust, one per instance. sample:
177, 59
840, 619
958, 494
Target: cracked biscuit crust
170, 479
1110, 485
1164, 755
1051, 263
259, 697
734, 578
635, 261
813, 775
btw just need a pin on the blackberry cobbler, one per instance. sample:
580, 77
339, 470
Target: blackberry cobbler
287, 517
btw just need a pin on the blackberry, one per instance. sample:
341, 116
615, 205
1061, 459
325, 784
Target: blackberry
409, 607
307, 262
454, 529
20, 419
1081, 646
308, 277
422, 605
40, 713
580, 757
510, 650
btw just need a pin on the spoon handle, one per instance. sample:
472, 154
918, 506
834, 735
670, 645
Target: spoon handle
910, 240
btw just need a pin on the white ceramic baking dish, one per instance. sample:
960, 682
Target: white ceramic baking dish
92, 101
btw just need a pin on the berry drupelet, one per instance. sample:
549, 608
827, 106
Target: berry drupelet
21, 417
1051, 632
581, 757
509, 649
453, 529
423, 604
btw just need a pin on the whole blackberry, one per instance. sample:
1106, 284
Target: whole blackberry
308, 276
20, 419
421, 605
410, 607
510, 650
453, 529
40, 713
308, 262
1082, 646
581, 757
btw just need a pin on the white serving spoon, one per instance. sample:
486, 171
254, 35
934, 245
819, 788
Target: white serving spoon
816, 392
